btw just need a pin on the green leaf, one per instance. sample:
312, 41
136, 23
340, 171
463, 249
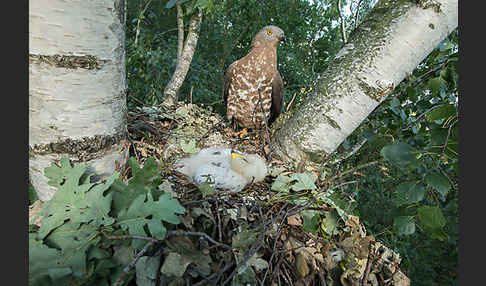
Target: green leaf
57, 175
282, 183
143, 180
146, 269
135, 218
305, 181
206, 189
41, 259
57, 273
401, 155
441, 112
404, 225
189, 147
311, 221
432, 220
439, 182
409, 193
435, 85
329, 224
77, 203
74, 242
201, 4
170, 4
412, 93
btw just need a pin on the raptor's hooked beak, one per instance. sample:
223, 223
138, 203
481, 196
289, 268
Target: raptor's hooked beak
283, 39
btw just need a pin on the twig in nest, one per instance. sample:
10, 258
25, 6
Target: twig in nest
201, 234
212, 276
364, 280
219, 222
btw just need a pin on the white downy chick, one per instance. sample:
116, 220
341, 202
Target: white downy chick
226, 168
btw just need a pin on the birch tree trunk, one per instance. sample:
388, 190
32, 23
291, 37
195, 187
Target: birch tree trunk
77, 87
183, 63
390, 42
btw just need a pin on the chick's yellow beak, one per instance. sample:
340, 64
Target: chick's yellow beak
236, 155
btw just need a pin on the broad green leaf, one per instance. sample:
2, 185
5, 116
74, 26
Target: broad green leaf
170, 4
439, 182
435, 85
67, 203
41, 259
175, 264
400, 154
432, 220
201, 4
78, 203
311, 221
409, 193
441, 112
305, 181
412, 93
143, 180
147, 268
135, 218
57, 175
74, 242
282, 183
405, 225
330, 223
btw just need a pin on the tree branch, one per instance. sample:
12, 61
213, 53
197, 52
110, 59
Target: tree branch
139, 20
182, 67
180, 29
343, 24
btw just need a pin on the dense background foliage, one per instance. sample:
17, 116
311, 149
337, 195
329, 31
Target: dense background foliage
406, 192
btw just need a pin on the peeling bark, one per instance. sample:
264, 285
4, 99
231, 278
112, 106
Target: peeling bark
390, 42
77, 87
182, 67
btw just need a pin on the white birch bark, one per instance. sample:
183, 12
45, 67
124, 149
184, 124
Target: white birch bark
390, 42
77, 101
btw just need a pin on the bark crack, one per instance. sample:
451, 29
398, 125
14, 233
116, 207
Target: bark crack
85, 149
66, 61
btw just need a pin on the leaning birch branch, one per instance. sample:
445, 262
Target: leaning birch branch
389, 44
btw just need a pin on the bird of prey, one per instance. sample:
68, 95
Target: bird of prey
253, 87
225, 168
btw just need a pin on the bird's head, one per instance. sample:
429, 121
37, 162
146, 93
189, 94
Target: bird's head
250, 166
270, 34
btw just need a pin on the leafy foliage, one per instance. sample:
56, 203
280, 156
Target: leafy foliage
68, 247
409, 199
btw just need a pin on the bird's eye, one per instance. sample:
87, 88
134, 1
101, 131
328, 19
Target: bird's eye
269, 32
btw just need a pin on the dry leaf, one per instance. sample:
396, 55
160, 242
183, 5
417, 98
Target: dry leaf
294, 220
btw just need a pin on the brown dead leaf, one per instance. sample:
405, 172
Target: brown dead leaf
266, 149
294, 220
301, 265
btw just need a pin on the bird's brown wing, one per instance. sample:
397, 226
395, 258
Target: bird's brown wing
226, 82
277, 97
